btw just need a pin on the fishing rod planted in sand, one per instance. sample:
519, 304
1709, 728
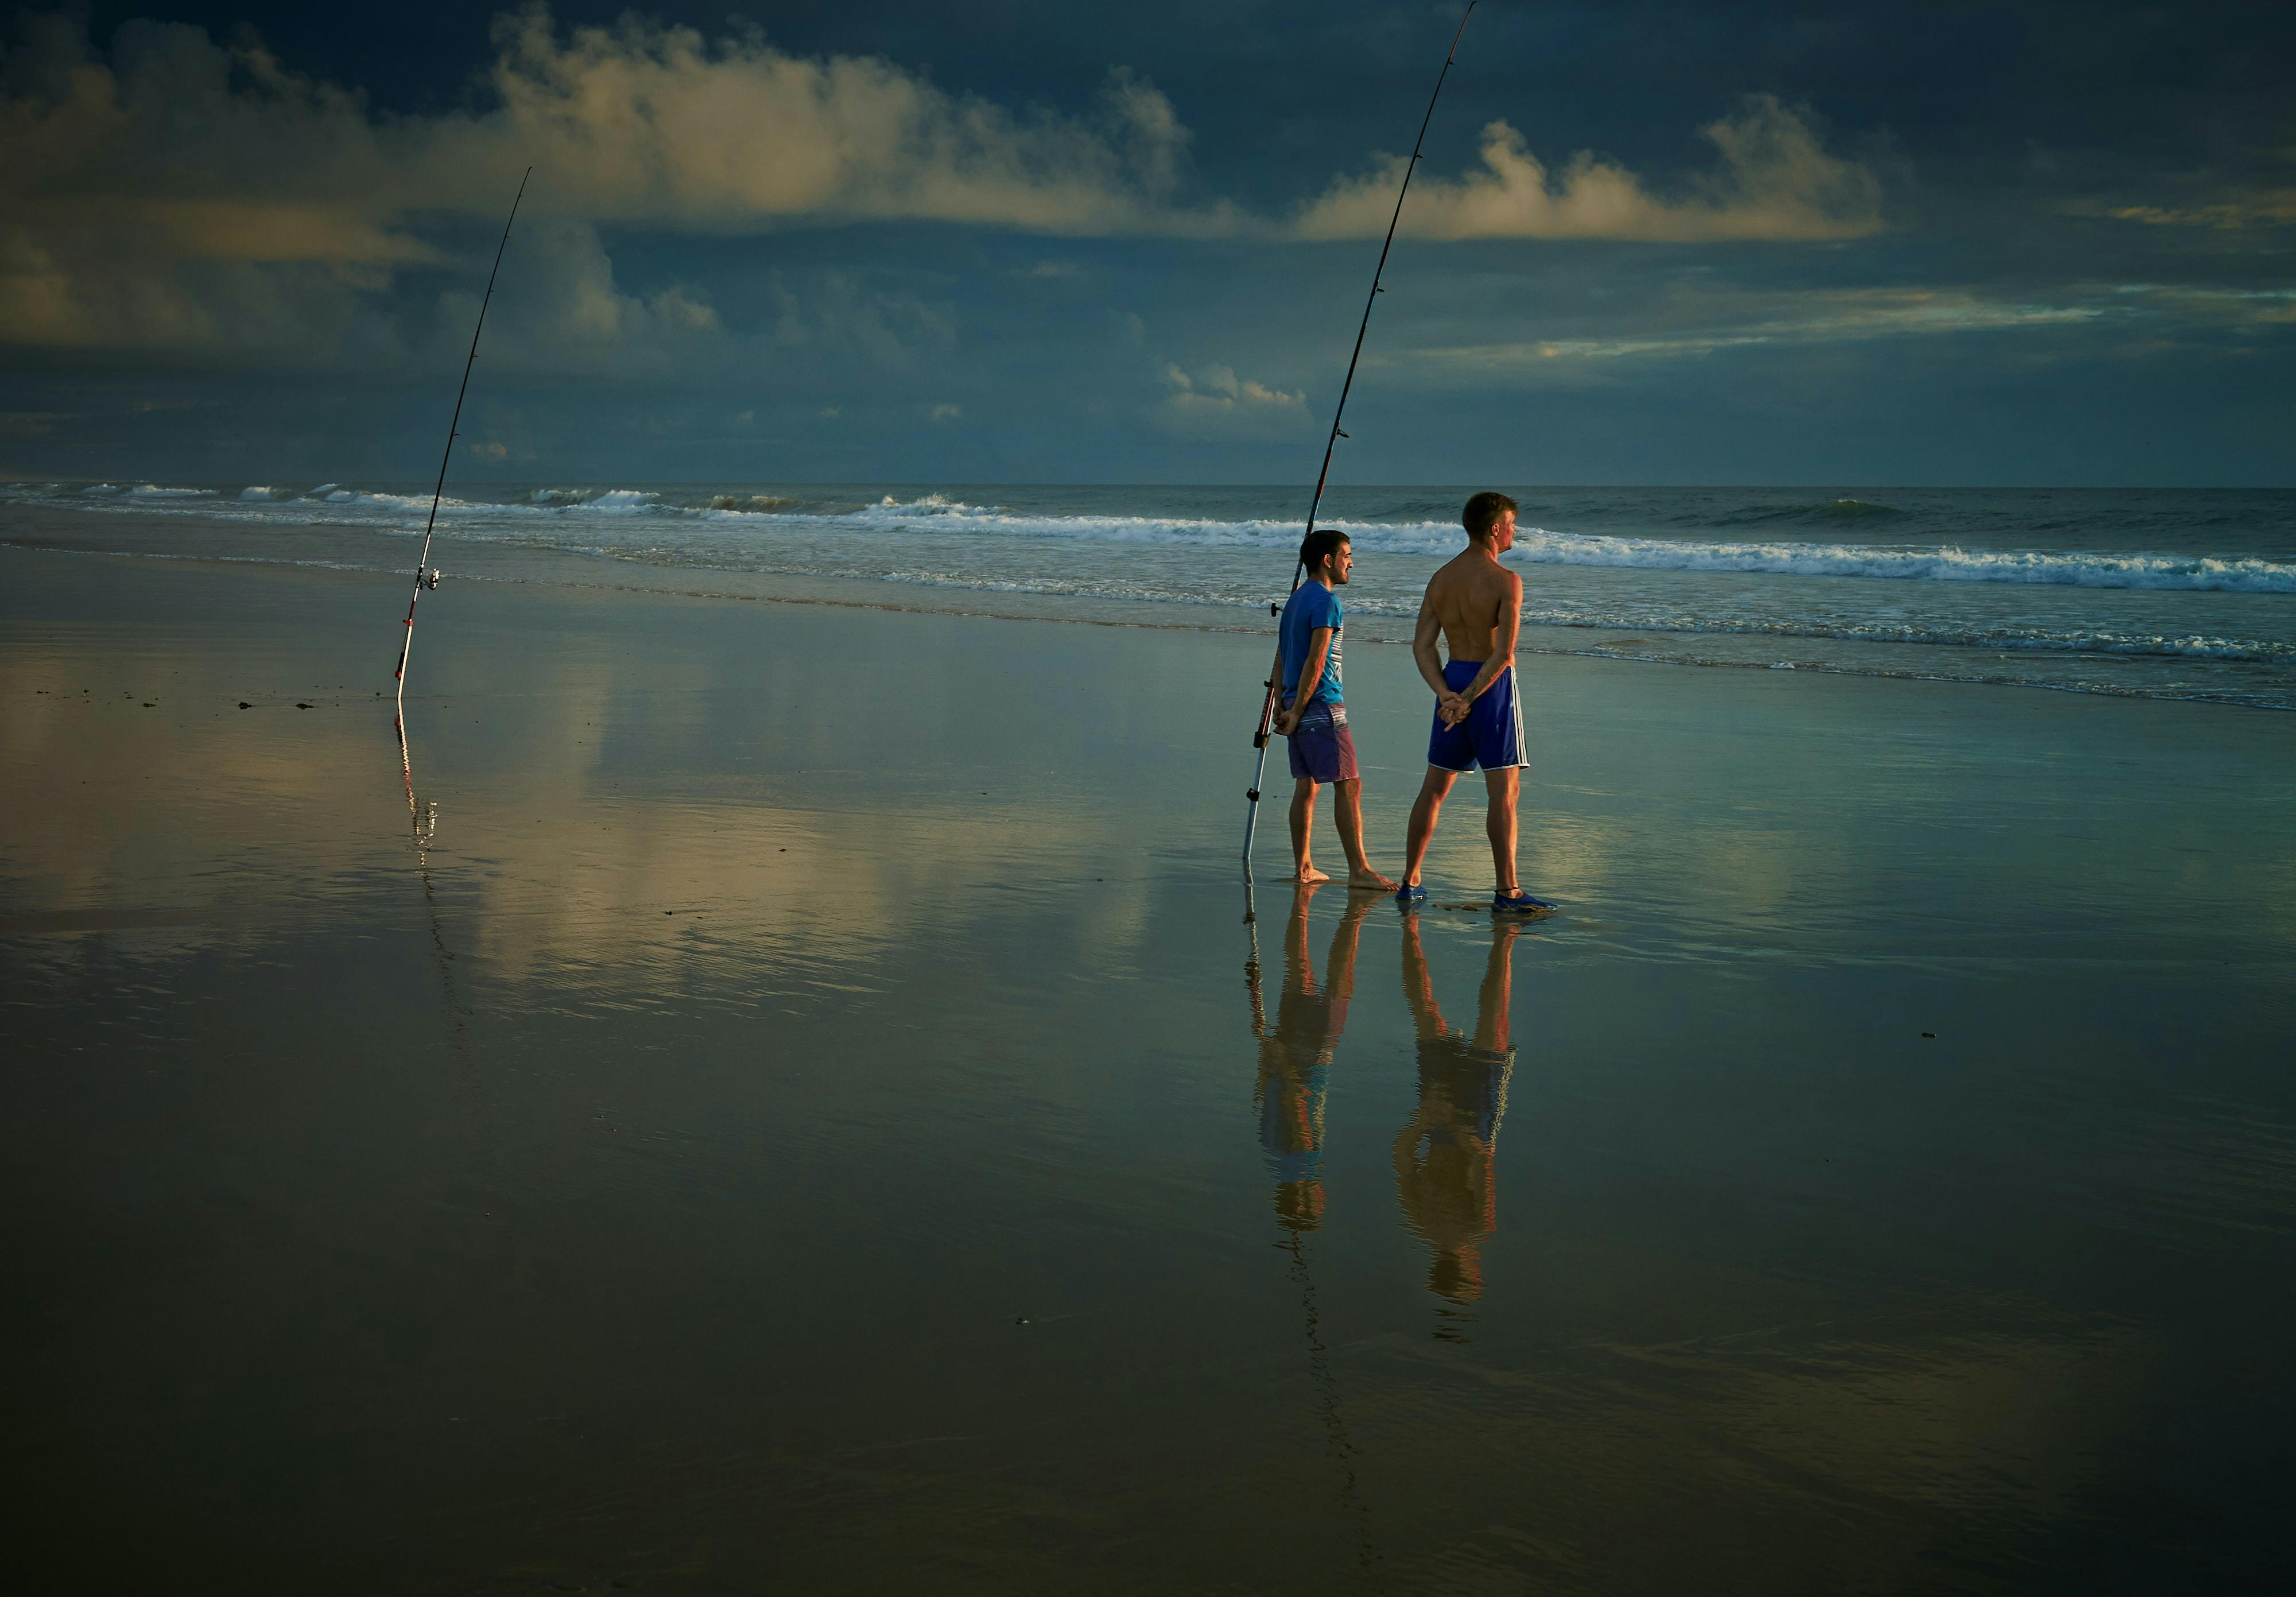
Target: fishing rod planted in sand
425, 575
1276, 673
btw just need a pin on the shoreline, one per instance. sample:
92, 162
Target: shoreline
852, 594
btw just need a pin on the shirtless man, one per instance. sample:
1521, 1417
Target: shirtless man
1476, 604
1444, 1164
1315, 716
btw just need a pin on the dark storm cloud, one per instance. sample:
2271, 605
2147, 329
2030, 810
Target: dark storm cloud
1720, 241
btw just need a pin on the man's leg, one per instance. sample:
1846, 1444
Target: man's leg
1504, 785
1348, 811
1424, 812
1303, 827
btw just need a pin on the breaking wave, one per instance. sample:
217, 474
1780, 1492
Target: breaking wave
1942, 564
606, 499
767, 515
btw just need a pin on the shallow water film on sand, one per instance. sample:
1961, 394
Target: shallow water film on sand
795, 1096
2157, 592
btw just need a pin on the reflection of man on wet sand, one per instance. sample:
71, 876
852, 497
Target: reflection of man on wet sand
1295, 1058
1443, 1158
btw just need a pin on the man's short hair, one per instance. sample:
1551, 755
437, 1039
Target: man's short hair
1483, 512
1319, 545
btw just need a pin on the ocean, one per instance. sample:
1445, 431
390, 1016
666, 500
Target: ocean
2164, 593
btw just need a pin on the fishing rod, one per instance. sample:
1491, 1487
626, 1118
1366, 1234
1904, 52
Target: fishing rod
424, 576
1275, 683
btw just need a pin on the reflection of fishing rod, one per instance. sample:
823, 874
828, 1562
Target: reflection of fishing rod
422, 826
1251, 965
424, 577
1327, 1401
1276, 673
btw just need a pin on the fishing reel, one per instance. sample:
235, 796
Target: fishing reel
431, 579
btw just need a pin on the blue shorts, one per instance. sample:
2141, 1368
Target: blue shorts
1323, 749
1491, 736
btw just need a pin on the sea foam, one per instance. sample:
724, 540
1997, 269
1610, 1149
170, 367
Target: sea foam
1943, 563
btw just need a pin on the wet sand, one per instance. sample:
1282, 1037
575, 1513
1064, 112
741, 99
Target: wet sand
808, 1112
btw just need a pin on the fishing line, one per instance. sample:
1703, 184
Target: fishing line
1275, 683
425, 575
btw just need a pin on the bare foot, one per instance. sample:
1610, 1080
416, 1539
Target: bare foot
1366, 880
1308, 873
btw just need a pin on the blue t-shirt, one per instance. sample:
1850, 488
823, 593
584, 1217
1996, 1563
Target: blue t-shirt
1311, 605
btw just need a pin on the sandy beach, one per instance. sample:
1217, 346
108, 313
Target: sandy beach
799, 1099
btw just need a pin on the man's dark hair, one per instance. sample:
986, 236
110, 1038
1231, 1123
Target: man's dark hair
1483, 511
1318, 547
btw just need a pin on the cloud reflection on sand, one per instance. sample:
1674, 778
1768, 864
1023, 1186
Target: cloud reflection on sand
561, 865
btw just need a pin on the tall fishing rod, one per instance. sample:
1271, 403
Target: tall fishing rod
1276, 673
423, 576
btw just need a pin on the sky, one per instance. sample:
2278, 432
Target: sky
967, 241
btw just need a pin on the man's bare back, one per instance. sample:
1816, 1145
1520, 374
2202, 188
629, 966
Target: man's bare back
1477, 604
1469, 598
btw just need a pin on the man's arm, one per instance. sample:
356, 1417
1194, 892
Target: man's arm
1504, 637
1311, 673
1423, 644
1452, 708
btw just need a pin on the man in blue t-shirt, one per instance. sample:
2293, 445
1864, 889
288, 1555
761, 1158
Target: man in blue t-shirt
1315, 716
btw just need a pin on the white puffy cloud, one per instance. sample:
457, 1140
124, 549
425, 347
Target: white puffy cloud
193, 198
647, 122
186, 195
1774, 181
216, 151
1213, 401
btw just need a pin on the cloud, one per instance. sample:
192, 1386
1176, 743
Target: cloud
190, 195
569, 316
1214, 402
1693, 325
656, 123
1775, 181
1810, 317
200, 200
889, 329
2268, 207
2237, 309
220, 151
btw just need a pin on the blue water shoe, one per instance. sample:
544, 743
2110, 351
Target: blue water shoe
1521, 904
